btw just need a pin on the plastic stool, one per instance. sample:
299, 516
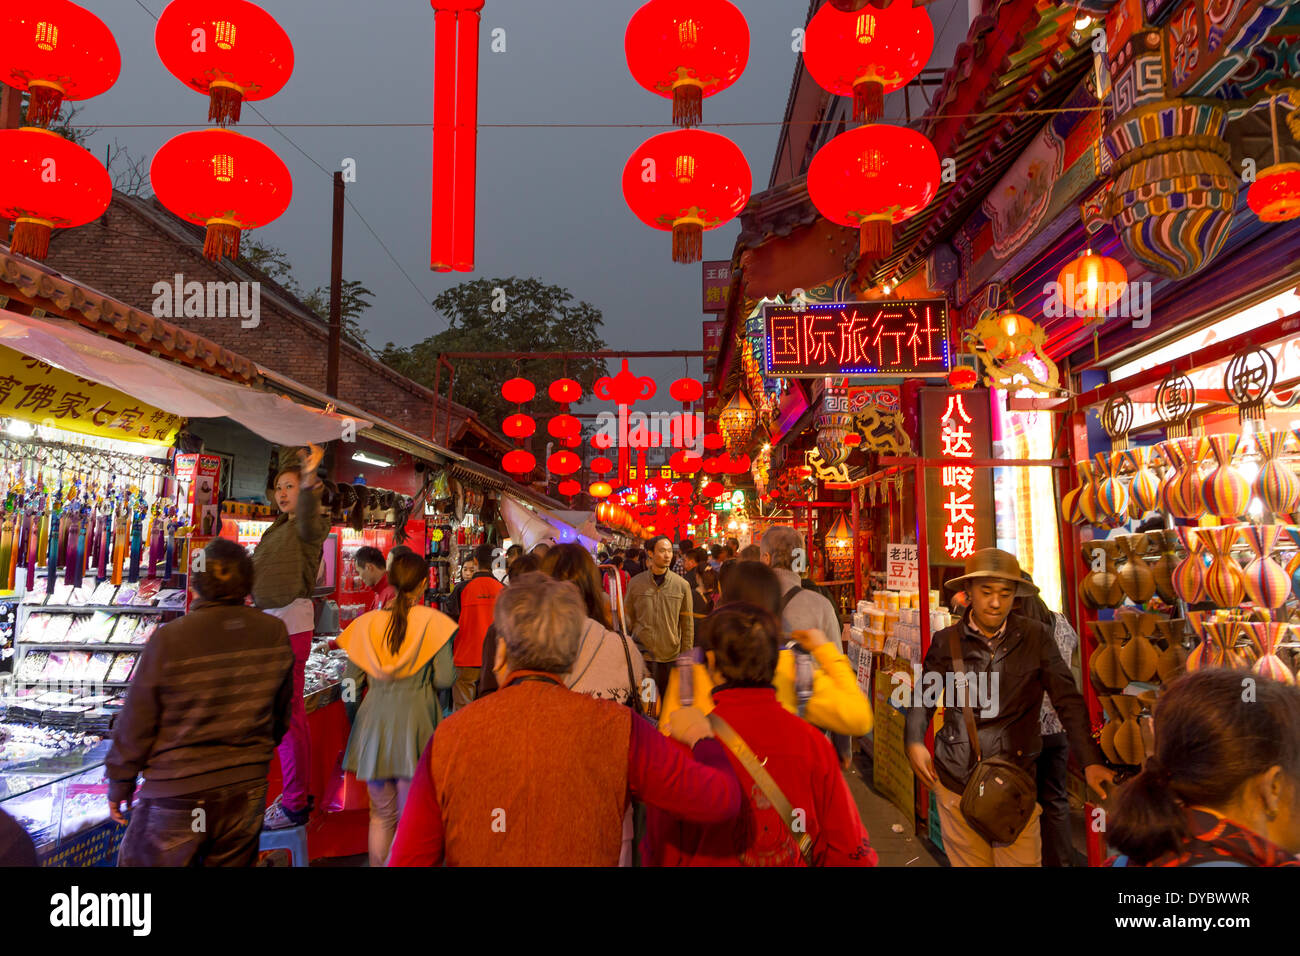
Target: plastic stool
275, 845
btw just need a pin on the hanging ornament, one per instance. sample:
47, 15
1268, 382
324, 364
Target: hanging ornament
1091, 284
1274, 196
685, 463
228, 50
736, 421
223, 180
686, 390
518, 390
565, 391
839, 546
599, 489
563, 462
686, 50
568, 488
518, 462
455, 134
874, 177
38, 202
868, 53
601, 465
518, 426
56, 51
564, 426
687, 181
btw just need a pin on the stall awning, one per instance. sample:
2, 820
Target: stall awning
167, 385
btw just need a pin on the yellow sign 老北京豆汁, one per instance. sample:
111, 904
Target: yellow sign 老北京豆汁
37, 392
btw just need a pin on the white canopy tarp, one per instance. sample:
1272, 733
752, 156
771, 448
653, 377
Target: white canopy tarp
167, 385
530, 528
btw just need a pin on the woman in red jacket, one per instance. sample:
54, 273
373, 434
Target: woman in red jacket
744, 642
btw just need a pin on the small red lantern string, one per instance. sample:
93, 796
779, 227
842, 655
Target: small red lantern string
518, 426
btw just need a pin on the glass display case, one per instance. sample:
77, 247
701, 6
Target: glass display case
54, 794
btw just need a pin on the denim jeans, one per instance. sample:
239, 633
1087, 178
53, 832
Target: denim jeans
211, 828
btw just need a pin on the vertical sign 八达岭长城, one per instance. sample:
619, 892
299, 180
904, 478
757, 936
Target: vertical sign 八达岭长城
956, 429
901, 571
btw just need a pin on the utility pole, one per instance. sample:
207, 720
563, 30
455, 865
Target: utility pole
336, 293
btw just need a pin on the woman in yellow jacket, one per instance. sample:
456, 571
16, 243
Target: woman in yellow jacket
837, 704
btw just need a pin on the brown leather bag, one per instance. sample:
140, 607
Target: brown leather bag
999, 798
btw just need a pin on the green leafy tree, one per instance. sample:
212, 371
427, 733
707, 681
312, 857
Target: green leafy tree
506, 315
355, 298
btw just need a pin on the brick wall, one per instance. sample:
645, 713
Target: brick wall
134, 245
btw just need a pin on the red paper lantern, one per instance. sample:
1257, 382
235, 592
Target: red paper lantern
223, 180
683, 490
713, 441
56, 51
518, 462
686, 50
518, 426
713, 490
229, 50
687, 181
564, 391
564, 463
686, 390
47, 183
714, 465
1091, 284
685, 463
962, 377
601, 465
599, 489
564, 426
868, 53
568, 488
737, 465
1274, 196
852, 439
873, 177
518, 391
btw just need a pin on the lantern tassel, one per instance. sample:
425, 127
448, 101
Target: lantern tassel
688, 105
868, 101
44, 105
224, 105
222, 240
875, 239
31, 238
688, 242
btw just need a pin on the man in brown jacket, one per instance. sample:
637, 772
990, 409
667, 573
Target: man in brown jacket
209, 701
660, 612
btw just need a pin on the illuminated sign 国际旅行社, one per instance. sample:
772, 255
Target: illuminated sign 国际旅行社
890, 337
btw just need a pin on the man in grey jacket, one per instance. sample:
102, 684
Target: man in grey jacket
660, 612
805, 610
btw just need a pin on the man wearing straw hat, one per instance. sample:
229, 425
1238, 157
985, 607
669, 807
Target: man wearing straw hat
1022, 661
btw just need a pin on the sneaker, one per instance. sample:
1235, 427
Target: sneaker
279, 817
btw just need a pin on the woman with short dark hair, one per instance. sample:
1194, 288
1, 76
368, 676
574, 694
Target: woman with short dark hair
1223, 787
780, 760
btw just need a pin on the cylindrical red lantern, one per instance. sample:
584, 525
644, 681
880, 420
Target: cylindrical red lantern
565, 391
563, 463
518, 426
518, 462
228, 50
687, 181
56, 51
868, 53
564, 426
873, 177
518, 390
223, 180
686, 50
47, 183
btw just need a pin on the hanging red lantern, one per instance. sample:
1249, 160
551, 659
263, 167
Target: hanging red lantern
686, 50
518, 462
713, 490
686, 390
568, 488
599, 489
565, 391
228, 50
1090, 285
868, 53
714, 465
1274, 196
56, 51
47, 183
852, 439
685, 463
737, 465
873, 177
961, 377
682, 490
713, 441
455, 134
601, 465
223, 180
563, 463
518, 426
564, 426
687, 181
518, 390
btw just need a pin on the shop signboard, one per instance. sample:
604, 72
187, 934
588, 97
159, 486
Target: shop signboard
956, 428
901, 571
891, 771
888, 339
712, 343
717, 281
34, 391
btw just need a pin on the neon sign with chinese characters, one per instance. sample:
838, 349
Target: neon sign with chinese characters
888, 338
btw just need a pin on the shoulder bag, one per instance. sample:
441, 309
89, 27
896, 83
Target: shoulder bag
999, 798
754, 767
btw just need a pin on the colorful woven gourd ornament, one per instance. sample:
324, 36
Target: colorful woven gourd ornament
1276, 484
1189, 576
1267, 636
1186, 498
1144, 487
1224, 583
1083, 508
1135, 577
1172, 457
1112, 496
1225, 490
1267, 584
1208, 651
